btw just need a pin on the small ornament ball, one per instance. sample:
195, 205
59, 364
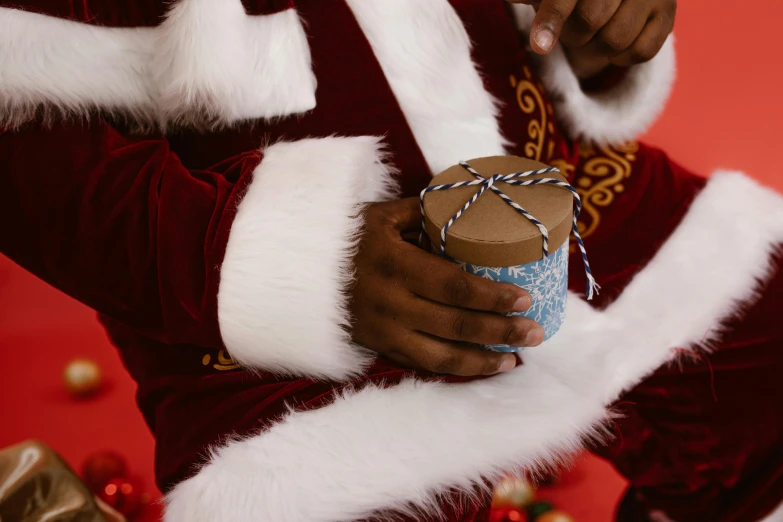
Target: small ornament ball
508, 515
515, 515
122, 494
512, 492
82, 377
555, 516
99, 468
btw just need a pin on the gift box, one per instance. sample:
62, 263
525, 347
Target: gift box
508, 219
37, 485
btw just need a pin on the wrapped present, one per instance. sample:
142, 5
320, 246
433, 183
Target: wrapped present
508, 219
37, 485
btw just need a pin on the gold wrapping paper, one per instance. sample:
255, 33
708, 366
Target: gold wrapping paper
36, 485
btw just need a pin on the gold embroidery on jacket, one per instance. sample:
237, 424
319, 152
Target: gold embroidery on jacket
530, 101
601, 179
604, 169
224, 361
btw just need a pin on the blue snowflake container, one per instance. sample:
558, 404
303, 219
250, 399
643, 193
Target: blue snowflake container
493, 239
546, 280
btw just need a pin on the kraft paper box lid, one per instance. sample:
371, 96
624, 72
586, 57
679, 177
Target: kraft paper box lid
491, 233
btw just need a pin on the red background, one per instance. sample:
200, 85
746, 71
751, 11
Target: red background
724, 113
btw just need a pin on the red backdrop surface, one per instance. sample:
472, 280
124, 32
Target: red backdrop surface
724, 113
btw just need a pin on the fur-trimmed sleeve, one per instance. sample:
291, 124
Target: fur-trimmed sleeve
252, 254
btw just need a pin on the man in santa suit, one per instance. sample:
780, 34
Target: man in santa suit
229, 185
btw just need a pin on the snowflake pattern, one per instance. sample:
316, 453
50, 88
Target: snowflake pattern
546, 280
486, 272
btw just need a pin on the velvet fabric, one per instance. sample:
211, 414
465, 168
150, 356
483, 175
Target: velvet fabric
702, 440
139, 13
136, 227
121, 225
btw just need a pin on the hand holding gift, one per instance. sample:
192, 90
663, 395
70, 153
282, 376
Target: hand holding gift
508, 219
415, 308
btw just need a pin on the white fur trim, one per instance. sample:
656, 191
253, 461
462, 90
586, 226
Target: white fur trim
217, 59
58, 65
397, 448
208, 62
617, 115
775, 516
424, 51
281, 305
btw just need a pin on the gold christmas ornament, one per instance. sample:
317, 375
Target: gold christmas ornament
512, 492
82, 377
555, 516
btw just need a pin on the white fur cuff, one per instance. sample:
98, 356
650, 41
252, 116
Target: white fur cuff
281, 305
208, 62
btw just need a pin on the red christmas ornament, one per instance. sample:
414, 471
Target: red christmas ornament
508, 515
516, 516
101, 467
122, 494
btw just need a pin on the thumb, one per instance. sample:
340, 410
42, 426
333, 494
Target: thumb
549, 21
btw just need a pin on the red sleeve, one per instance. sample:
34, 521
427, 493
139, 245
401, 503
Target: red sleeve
240, 256
120, 224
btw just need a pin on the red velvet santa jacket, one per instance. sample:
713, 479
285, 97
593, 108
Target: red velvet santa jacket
194, 173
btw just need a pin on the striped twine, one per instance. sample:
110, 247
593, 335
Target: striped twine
515, 179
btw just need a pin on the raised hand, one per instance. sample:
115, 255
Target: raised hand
620, 32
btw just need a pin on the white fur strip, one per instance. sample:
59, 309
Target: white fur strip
281, 305
71, 67
614, 116
397, 448
424, 51
207, 62
215, 59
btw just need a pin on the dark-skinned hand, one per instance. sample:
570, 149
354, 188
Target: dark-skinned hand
597, 33
419, 310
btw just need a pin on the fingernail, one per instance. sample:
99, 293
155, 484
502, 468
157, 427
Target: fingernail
522, 304
509, 363
544, 39
535, 337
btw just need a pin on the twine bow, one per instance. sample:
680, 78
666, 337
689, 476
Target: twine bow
514, 179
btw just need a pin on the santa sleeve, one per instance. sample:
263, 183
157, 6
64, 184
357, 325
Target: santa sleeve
621, 111
252, 254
